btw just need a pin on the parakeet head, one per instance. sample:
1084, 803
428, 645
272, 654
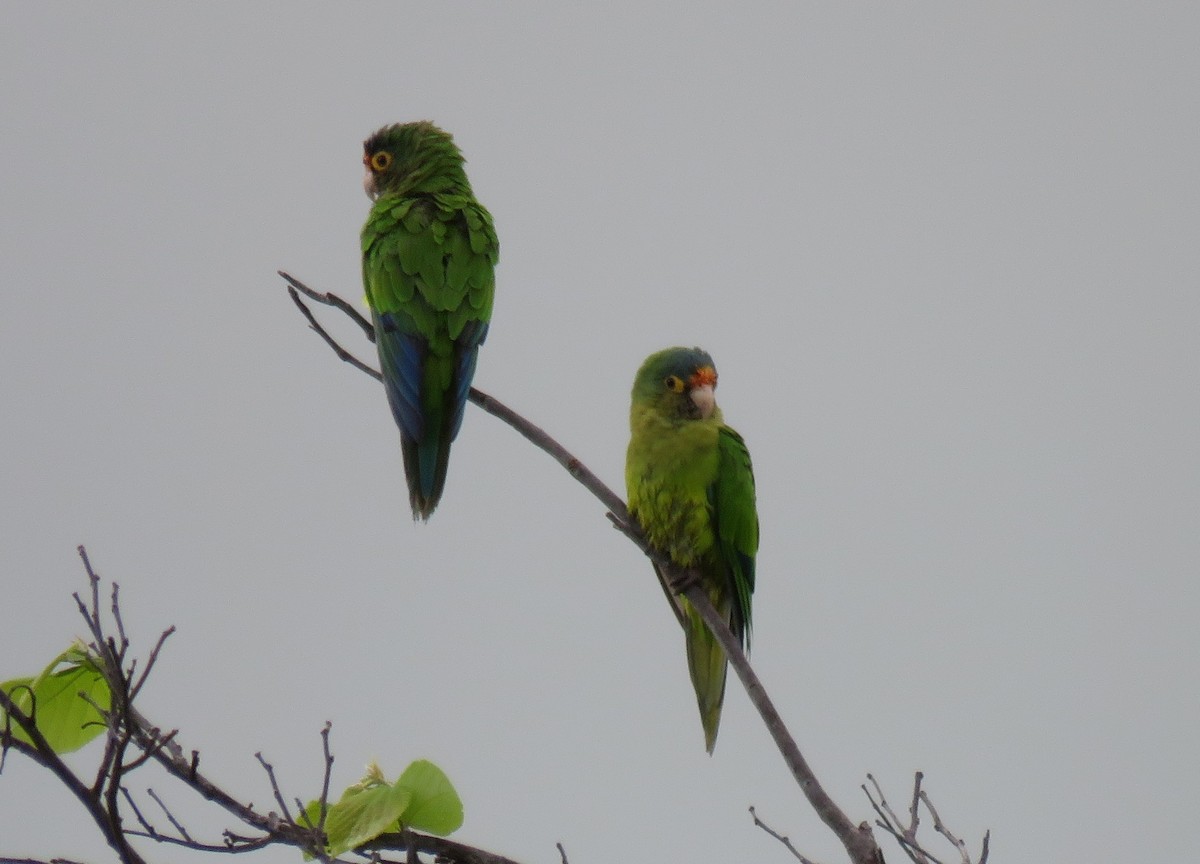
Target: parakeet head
412, 158
679, 383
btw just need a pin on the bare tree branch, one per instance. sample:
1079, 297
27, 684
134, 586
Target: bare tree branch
323, 801
890, 822
341, 352
150, 661
857, 839
532, 433
40, 751
270, 769
906, 835
332, 300
958, 844
439, 847
781, 838
147, 827
109, 798
170, 816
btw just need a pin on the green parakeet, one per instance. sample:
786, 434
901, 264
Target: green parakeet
429, 252
691, 489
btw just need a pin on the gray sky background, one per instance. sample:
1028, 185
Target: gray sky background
945, 256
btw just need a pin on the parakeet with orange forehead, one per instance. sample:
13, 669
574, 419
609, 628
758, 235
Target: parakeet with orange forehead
691, 489
429, 251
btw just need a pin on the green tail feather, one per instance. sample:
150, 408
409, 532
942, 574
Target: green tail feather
707, 665
425, 469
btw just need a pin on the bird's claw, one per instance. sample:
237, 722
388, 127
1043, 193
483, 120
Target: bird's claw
680, 579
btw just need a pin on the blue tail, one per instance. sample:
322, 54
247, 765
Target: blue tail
425, 436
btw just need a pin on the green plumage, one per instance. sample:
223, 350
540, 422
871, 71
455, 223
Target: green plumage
691, 489
429, 251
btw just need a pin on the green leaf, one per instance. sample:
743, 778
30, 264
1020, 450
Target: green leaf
65, 719
422, 799
363, 814
313, 811
435, 806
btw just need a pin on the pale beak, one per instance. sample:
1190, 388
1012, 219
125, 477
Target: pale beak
704, 400
369, 185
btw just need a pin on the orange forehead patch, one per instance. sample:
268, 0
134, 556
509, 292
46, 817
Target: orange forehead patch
704, 376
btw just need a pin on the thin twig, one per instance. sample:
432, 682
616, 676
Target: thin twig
94, 579
287, 814
246, 845
886, 808
170, 816
149, 752
341, 352
890, 822
150, 661
914, 810
781, 838
325, 779
150, 829
940, 828
112, 662
187, 771
109, 758
911, 847
116, 613
332, 300
906, 835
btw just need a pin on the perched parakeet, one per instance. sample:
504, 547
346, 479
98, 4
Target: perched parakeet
691, 489
429, 252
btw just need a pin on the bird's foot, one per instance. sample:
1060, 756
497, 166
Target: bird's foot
680, 579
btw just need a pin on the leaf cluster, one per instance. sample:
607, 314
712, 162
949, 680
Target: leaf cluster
423, 799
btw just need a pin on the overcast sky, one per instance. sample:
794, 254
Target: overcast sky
945, 257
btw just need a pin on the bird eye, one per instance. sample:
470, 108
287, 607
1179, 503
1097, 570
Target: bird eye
673, 383
381, 161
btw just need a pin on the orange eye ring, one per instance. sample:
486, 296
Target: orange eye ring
381, 161
673, 383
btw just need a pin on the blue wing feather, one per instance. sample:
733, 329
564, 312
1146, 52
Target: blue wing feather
467, 349
402, 357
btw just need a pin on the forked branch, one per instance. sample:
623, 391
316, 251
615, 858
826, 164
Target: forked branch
906, 834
